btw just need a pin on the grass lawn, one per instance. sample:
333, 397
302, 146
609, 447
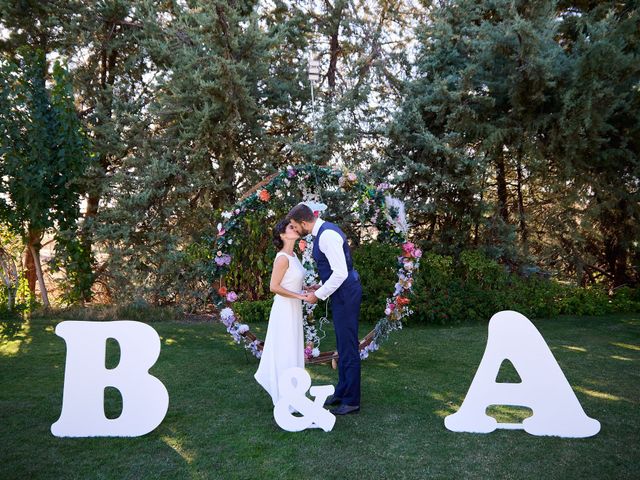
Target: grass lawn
220, 423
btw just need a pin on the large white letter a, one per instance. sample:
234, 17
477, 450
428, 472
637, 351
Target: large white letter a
544, 388
145, 399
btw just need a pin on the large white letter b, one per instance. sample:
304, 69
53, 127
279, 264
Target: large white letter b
145, 399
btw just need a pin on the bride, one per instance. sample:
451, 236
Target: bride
284, 343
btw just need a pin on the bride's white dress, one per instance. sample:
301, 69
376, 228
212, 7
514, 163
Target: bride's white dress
284, 343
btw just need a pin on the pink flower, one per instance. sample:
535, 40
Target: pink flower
408, 249
232, 297
417, 253
308, 351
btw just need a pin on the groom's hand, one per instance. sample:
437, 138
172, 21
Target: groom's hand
311, 298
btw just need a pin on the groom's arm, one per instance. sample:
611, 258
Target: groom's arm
330, 243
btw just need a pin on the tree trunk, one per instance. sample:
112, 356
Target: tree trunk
29, 266
335, 14
501, 180
524, 235
34, 248
476, 228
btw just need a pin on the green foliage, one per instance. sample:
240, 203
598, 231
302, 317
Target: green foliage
472, 287
376, 265
138, 311
42, 149
515, 131
44, 155
25, 301
585, 301
523, 118
253, 311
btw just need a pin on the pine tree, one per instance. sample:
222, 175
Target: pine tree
596, 141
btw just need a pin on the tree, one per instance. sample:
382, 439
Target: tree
595, 144
43, 152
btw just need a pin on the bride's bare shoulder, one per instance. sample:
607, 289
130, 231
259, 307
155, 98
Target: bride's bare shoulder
282, 259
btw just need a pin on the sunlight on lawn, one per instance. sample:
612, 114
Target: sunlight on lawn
574, 349
177, 446
625, 359
628, 346
509, 413
600, 395
10, 348
450, 406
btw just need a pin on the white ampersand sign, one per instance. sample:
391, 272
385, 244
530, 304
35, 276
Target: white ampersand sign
293, 385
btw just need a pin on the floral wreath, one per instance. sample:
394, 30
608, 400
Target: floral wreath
373, 206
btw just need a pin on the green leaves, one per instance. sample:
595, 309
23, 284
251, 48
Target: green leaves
44, 155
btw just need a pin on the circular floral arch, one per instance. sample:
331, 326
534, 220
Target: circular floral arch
382, 216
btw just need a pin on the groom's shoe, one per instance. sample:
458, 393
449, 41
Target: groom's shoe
345, 409
332, 400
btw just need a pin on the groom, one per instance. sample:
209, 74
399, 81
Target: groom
340, 282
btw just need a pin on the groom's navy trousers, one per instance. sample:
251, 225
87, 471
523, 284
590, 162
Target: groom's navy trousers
345, 307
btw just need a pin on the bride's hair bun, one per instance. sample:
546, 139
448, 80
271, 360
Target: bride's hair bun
278, 230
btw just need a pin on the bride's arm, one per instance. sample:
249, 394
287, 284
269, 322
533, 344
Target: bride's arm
279, 269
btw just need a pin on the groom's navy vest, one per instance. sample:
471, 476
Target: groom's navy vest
324, 269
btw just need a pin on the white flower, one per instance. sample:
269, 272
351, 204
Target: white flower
227, 215
315, 352
243, 328
399, 222
315, 206
226, 313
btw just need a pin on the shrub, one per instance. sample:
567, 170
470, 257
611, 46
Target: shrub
474, 287
252, 312
376, 265
138, 311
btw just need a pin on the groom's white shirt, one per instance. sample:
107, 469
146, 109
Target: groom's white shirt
330, 243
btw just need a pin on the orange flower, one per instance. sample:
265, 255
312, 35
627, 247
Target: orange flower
264, 195
302, 245
222, 291
402, 300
